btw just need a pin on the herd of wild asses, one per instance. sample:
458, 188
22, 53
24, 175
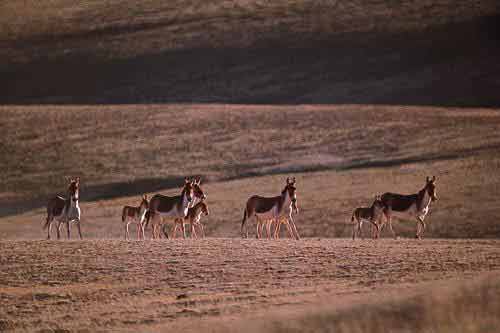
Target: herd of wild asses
190, 205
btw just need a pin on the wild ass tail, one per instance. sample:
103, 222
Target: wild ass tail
46, 223
47, 220
124, 214
245, 216
147, 217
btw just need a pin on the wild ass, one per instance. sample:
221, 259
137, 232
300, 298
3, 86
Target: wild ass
199, 196
193, 218
174, 207
136, 215
372, 214
413, 206
64, 210
271, 208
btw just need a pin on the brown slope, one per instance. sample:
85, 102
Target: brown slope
252, 52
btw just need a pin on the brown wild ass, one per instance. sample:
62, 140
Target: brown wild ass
136, 215
372, 214
162, 206
65, 210
271, 208
198, 197
193, 218
413, 206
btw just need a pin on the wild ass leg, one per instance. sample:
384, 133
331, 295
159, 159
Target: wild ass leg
268, 228
156, 226
289, 229
79, 229
258, 224
152, 218
420, 227
183, 228
374, 225
68, 227
126, 231
58, 229
143, 230
388, 216
193, 231
48, 230
202, 230
277, 230
174, 230
50, 218
294, 228
355, 226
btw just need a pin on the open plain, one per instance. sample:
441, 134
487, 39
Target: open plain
143, 286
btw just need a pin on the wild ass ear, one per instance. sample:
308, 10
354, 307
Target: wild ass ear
293, 180
186, 180
77, 180
433, 179
427, 179
145, 196
287, 180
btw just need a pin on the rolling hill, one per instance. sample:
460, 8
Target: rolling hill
287, 52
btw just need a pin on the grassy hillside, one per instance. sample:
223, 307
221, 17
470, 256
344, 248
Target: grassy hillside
393, 79
466, 307
355, 153
301, 51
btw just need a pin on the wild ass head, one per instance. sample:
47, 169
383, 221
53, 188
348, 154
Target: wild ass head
74, 188
204, 208
188, 189
292, 191
430, 187
198, 192
378, 204
144, 203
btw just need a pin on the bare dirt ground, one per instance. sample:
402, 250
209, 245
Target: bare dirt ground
111, 284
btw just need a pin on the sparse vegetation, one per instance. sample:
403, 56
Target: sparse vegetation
356, 151
470, 307
248, 285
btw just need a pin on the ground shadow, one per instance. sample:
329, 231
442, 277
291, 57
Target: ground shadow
452, 65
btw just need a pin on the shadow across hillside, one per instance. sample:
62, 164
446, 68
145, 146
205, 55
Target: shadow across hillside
147, 185
452, 65
100, 192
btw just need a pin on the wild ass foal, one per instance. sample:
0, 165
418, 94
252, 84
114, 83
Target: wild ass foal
271, 208
413, 206
162, 206
371, 214
193, 218
64, 210
137, 215
279, 221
